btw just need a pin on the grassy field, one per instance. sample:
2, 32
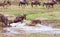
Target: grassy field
33, 13
42, 35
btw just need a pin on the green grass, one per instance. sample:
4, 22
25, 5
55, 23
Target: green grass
33, 13
31, 35
41, 35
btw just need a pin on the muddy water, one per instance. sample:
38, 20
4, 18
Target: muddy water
20, 30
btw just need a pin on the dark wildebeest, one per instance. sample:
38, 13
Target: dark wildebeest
5, 3
50, 4
35, 3
4, 20
19, 19
58, 1
24, 2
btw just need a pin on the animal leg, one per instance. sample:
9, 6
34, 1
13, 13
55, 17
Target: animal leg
3, 6
19, 5
26, 3
36, 5
52, 6
46, 6
39, 4
43, 5
32, 5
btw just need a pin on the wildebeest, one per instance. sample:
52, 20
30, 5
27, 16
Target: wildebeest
5, 3
35, 3
24, 2
58, 1
4, 20
19, 19
49, 4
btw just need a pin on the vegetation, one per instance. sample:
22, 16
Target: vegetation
32, 13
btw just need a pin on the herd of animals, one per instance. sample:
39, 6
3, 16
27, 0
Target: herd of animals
33, 2
6, 22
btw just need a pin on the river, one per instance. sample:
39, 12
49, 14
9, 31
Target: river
22, 28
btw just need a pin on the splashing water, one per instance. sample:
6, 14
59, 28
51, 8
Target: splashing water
16, 27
